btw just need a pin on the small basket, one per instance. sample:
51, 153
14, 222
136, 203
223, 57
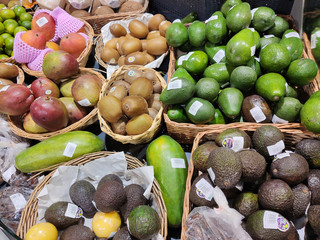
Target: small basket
82, 59
29, 214
15, 122
292, 137
133, 139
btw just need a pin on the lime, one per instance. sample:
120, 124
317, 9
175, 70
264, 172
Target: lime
263, 19
302, 71
1, 28
8, 42
275, 57
1, 20
280, 25
207, 88
18, 10
9, 21
8, 51
2, 5
3, 56
7, 14
5, 35
19, 29
26, 24
243, 78
25, 17
1, 42
10, 27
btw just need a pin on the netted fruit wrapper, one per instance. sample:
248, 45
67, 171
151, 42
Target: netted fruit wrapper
55, 38
36, 64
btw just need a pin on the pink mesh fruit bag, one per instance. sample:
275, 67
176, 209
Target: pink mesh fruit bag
36, 64
55, 38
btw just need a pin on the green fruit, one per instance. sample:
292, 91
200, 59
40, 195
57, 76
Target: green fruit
228, 137
51, 151
182, 73
159, 154
177, 114
271, 86
230, 101
268, 39
315, 44
288, 108
219, 72
216, 54
3, 56
291, 92
196, 63
246, 203
9, 52
239, 17
218, 118
1, 28
240, 48
199, 110
5, 35
1, 42
207, 88
310, 115
256, 38
18, 10
19, 29
302, 71
255, 65
263, 19
197, 33
7, 14
228, 4
25, 17
216, 28
2, 5
274, 57
176, 34
8, 42
243, 78
293, 43
280, 26
26, 24
10, 27
189, 18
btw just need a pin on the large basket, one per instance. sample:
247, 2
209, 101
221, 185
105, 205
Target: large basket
292, 137
82, 59
133, 139
186, 132
29, 214
15, 122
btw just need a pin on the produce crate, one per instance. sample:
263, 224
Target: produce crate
29, 214
82, 59
186, 132
133, 139
292, 137
16, 122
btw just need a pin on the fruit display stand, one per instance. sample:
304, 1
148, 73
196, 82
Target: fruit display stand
133, 139
16, 121
291, 136
82, 59
29, 214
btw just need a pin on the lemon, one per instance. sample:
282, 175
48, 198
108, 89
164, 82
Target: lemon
42, 231
7, 14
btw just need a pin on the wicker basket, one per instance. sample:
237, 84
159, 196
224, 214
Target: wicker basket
82, 59
292, 137
186, 132
29, 214
15, 122
133, 139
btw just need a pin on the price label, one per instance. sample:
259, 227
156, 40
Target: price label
268, 36
178, 163
281, 155
42, 21
253, 50
211, 18
292, 34
6, 176
85, 102
314, 39
188, 55
252, 29
4, 88
239, 186
177, 84
211, 174
219, 56
195, 107
73, 211
204, 189
70, 149
276, 148
253, 12
18, 201
276, 119
257, 114
177, 20
257, 59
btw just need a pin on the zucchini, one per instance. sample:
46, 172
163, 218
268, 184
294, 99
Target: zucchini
58, 149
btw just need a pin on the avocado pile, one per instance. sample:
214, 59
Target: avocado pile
263, 180
241, 64
128, 204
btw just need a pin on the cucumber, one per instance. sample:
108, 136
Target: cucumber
162, 153
51, 151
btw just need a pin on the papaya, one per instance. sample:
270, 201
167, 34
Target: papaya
57, 149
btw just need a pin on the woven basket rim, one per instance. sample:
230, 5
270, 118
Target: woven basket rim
82, 59
29, 213
133, 139
89, 119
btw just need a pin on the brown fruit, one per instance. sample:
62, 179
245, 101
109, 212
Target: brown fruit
117, 30
122, 83
110, 108
120, 126
163, 28
152, 112
119, 44
102, 10
118, 91
134, 105
144, 44
138, 29
153, 34
110, 55
75, 111
139, 124
112, 43
155, 21
142, 87
8, 70
80, 13
31, 127
132, 74
135, 58
121, 61
131, 45
130, 6
157, 46
154, 102
149, 57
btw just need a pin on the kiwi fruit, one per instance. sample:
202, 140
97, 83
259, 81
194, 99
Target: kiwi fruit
118, 91
157, 46
110, 55
139, 124
80, 13
144, 44
138, 29
135, 58
132, 74
153, 34
117, 30
163, 27
157, 88
134, 105
130, 6
122, 83
129, 36
131, 45
120, 126
102, 10
151, 76
149, 57
110, 108
119, 44
8, 70
154, 101
152, 112
112, 43
121, 61
155, 21
142, 87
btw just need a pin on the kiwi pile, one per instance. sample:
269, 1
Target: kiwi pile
132, 102
140, 46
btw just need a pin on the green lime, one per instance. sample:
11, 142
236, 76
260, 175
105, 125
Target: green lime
3, 56
10, 27
1, 42
2, 5
26, 24
25, 17
5, 35
18, 10
243, 78
19, 29
9, 21
302, 71
279, 27
1, 28
207, 88
8, 42
7, 14
263, 19
8, 51
1, 20
275, 57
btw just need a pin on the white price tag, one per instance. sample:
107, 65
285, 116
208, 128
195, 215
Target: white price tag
292, 34
253, 50
231, 8
276, 148
178, 163
84, 102
268, 36
204, 189
211, 18
314, 41
73, 211
174, 84
88, 222
4, 88
253, 12
177, 20
239, 186
257, 114
188, 55
211, 174
48, 92
6, 176
10, 64
42, 21
70, 149
238, 143
276, 119
306, 212
18, 201
270, 220
257, 59
281, 155
252, 29
195, 107
181, 59
219, 56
